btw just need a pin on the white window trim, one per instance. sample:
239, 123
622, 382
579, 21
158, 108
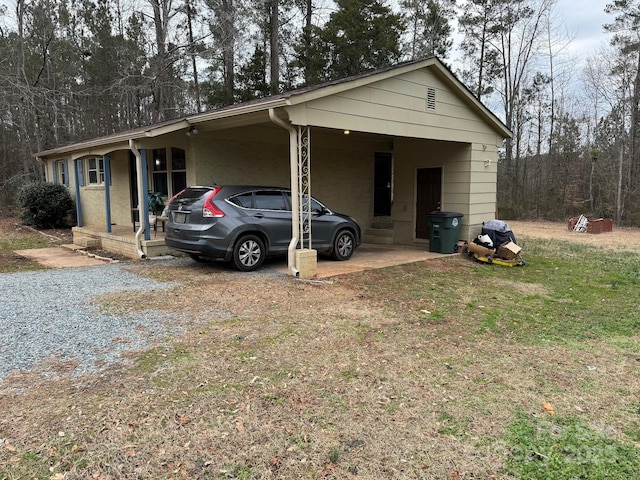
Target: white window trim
98, 169
61, 173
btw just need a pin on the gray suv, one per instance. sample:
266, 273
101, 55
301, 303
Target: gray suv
245, 224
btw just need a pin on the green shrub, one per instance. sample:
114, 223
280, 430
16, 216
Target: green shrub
46, 205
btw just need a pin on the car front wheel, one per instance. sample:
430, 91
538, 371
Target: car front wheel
344, 245
248, 253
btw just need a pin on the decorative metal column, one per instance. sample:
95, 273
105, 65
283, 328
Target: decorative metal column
304, 185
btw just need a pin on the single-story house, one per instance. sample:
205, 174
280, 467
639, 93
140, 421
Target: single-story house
385, 147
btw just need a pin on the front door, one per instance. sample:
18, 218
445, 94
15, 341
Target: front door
429, 192
382, 185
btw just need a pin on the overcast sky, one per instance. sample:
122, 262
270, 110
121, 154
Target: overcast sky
584, 20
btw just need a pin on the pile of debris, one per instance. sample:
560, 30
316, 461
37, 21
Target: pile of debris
496, 245
582, 224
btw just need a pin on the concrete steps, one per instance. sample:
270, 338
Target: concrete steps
381, 232
86, 242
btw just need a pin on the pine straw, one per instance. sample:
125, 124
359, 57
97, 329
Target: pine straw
276, 378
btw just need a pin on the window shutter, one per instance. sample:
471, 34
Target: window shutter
54, 165
65, 167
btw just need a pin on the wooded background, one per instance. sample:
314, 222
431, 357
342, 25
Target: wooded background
73, 70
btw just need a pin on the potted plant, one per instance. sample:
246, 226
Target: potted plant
156, 204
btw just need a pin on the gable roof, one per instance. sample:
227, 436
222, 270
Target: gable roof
259, 107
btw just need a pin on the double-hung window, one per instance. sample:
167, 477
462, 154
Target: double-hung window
95, 171
169, 171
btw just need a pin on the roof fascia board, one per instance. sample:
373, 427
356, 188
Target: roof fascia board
99, 151
111, 143
165, 129
237, 111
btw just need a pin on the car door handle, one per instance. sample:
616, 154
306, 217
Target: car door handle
259, 215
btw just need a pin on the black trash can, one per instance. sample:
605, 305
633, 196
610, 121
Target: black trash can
444, 231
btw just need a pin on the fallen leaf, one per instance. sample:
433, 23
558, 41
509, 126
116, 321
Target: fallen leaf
183, 419
548, 408
10, 447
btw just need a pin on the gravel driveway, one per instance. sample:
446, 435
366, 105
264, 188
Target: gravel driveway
47, 316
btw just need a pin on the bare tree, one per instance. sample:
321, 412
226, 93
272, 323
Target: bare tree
275, 47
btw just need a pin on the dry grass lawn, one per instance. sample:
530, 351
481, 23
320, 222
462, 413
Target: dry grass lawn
397, 373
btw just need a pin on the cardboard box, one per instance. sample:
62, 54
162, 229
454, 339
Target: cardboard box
509, 251
480, 250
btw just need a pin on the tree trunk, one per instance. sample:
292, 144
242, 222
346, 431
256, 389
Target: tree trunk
192, 54
275, 47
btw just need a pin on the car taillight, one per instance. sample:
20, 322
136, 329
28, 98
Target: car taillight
209, 210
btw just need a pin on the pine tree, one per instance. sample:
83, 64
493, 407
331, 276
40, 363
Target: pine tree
360, 35
428, 27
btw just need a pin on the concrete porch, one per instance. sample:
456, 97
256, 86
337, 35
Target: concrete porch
121, 240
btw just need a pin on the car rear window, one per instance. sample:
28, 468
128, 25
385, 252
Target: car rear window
193, 192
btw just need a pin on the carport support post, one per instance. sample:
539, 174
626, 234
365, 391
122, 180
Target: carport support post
107, 191
79, 181
296, 257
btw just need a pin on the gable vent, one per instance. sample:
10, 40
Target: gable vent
431, 98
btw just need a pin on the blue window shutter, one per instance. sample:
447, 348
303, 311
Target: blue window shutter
65, 167
54, 165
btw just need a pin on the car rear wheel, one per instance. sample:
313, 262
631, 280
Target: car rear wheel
344, 245
248, 253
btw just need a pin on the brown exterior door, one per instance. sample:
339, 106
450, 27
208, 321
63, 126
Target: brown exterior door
429, 193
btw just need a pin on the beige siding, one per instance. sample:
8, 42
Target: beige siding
467, 186
397, 106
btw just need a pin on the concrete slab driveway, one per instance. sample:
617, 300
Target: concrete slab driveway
370, 256
58, 257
